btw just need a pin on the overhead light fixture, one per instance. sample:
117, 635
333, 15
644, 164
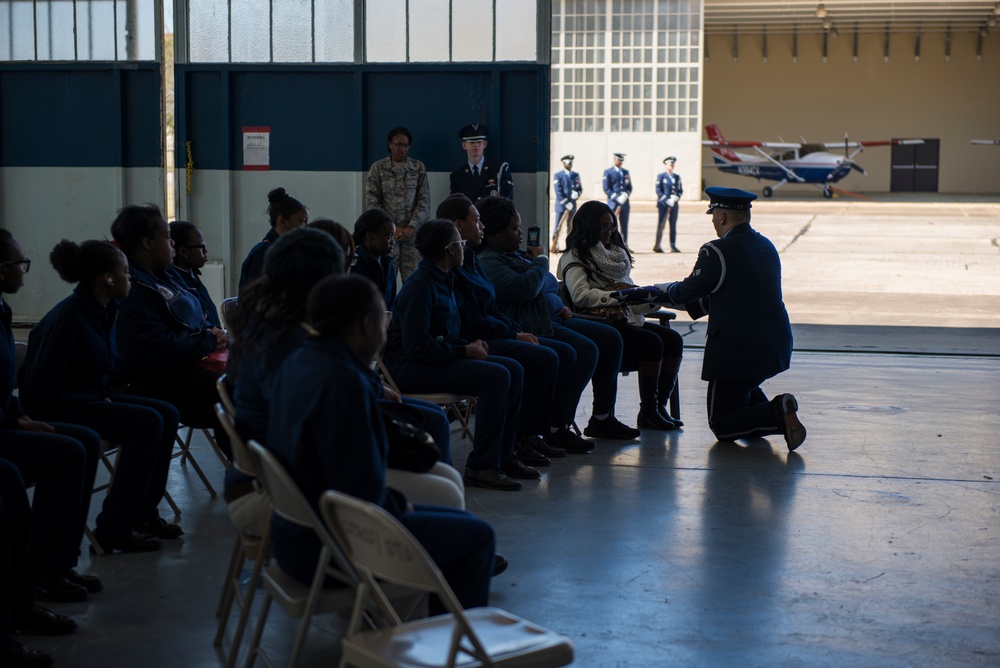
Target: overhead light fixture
827, 24
821, 12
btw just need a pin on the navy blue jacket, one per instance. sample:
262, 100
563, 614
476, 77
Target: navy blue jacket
161, 325
253, 265
494, 180
71, 355
565, 183
380, 271
616, 181
192, 279
426, 325
736, 282
477, 303
10, 407
664, 188
519, 284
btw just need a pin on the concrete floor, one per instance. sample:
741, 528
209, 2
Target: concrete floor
876, 544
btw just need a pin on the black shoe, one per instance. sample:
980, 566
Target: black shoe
657, 250
159, 528
543, 447
525, 450
675, 249
91, 583
490, 479
610, 427
37, 621
500, 564
795, 431
515, 468
54, 588
15, 655
132, 541
566, 440
650, 419
665, 414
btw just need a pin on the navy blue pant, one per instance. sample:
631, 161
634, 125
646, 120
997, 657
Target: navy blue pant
740, 409
666, 215
608, 341
16, 589
572, 379
145, 429
61, 466
497, 383
541, 367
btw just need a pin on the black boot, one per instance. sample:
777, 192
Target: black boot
665, 387
649, 417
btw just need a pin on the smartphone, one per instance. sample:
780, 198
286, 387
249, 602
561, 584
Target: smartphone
534, 235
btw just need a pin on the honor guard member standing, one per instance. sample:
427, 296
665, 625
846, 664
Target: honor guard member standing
736, 282
398, 185
568, 189
668, 192
618, 188
479, 177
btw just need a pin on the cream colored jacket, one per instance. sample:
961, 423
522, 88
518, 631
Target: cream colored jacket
586, 292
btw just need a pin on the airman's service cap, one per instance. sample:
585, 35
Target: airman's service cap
568, 158
728, 198
620, 156
474, 132
669, 159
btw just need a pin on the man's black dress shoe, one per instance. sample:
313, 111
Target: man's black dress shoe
610, 427
159, 528
490, 479
657, 250
515, 468
570, 442
132, 541
499, 564
37, 621
91, 583
15, 655
526, 452
675, 249
53, 587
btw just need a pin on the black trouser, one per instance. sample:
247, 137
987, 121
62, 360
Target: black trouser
740, 409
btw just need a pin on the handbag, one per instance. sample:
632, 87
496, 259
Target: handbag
215, 361
410, 448
616, 313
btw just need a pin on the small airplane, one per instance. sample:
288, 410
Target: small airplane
786, 162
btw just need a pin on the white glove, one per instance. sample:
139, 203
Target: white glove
622, 197
573, 195
672, 200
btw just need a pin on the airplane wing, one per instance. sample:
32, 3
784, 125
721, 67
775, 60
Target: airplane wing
751, 144
985, 142
863, 144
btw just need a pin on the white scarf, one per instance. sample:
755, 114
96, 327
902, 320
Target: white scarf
612, 262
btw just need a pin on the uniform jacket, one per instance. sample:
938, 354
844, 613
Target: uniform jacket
519, 284
253, 265
192, 279
394, 187
736, 282
616, 181
161, 325
586, 289
664, 188
71, 355
565, 184
10, 407
494, 180
381, 273
477, 303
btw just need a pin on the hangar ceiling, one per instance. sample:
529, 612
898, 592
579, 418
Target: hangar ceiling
809, 16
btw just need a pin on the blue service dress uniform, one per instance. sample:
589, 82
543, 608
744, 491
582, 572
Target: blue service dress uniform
494, 180
616, 181
568, 188
736, 282
667, 185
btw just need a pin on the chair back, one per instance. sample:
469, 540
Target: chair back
224, 396
227, 311
20, 352
242, 459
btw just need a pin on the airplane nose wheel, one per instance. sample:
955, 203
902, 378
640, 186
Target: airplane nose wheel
768, 191
827, 193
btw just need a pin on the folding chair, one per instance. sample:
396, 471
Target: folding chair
256, 549
296, 599
226, 398
446, 399
227, 312
382, 550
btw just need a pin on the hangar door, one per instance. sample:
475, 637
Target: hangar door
80, 130
915, 167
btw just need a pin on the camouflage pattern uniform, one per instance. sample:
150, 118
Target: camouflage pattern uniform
393, 187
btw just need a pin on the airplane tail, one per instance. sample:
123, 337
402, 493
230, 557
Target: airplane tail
724, 151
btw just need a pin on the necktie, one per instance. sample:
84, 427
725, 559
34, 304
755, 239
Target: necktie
475, 170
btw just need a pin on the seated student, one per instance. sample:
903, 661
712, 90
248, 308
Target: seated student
340, 234
596, 258
425, 354
59, 460
165, 342
373, 234
66, 378
523, 286
190, 255
18, 611
285, 214
326, 387
541, 358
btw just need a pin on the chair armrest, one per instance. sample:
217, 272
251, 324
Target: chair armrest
663, 316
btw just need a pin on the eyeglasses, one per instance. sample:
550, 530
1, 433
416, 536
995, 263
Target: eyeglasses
24, 263
606, 226
203, 247
396, 145
460, 242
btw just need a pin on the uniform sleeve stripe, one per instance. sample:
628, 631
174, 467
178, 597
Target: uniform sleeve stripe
722, 265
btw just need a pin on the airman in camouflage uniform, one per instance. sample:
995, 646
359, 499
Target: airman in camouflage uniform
398, 185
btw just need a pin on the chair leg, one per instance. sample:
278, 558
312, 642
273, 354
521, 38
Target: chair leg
98, 548
675, 399
258, 631
225, 605
218, 450
170, 501
263, 552
185, 455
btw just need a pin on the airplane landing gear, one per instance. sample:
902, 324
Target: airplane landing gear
768, 191
827, 192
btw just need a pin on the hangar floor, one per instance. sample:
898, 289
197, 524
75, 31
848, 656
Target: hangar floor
876, 543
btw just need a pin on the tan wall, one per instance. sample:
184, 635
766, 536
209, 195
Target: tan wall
932, 98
